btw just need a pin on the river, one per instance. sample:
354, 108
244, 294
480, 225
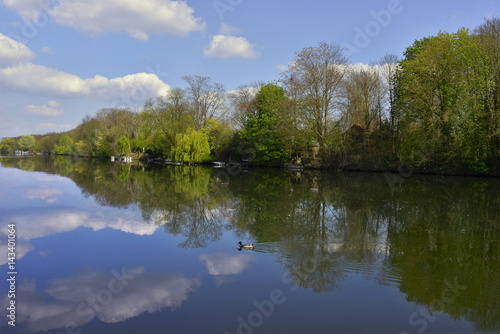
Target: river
104, 247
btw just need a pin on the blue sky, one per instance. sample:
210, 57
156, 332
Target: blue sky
63, 59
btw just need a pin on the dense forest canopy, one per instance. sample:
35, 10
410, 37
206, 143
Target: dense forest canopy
437, 109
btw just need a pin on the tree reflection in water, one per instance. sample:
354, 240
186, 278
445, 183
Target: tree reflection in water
424, 235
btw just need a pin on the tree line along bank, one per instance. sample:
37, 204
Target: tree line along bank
435, 110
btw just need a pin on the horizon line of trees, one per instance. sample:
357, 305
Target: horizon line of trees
437, 108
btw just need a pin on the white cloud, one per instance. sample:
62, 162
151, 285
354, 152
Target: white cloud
27, 9
223, 264
47, 50
51, 127
362, 67
282, 67
223, 46
31, 79
53, 104
248, 91
18, 75
13, 52
375, 69
138, 18
227, 29
49, 109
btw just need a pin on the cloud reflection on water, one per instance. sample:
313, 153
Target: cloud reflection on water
49, 195
76, 300
41, 223
23, 247
220, 263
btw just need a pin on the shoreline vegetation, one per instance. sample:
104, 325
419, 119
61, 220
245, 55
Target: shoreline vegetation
435, 111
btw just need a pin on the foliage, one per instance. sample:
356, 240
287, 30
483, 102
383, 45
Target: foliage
27, 164
219, 137
191, 147
437, 109
65, 146
442, 86
105, 150
99, 135
162, 120
44, 145
27, 142
488, 35
86, 135
82, 149
123, 145
7, 145
261, 131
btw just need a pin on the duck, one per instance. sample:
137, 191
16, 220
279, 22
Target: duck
245, 246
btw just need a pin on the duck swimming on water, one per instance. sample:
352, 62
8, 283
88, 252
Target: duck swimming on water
245, 246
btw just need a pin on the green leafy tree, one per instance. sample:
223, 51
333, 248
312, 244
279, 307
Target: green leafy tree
65, 146
105, 149
82, 149
123, 145
442, 86
87, 135
191, 147
139, 144
27, 142
107, 126
44, 145
162, 120
219, 136
488, 35
261, 131
6, 145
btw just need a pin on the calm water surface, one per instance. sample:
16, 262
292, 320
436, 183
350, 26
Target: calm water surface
114, 248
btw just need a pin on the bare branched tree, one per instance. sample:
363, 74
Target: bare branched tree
363, 95
207, 99
389, 66
241, 101
316, 75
